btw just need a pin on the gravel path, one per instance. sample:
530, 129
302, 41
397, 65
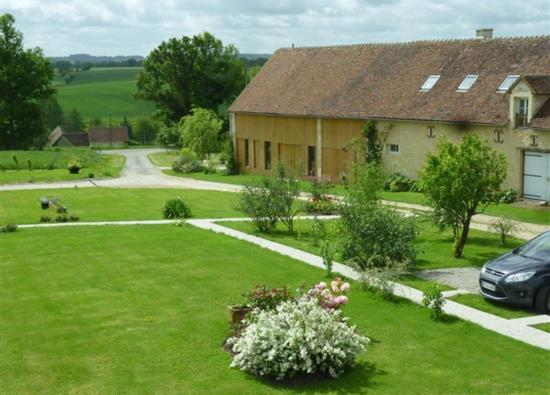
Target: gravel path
465, 278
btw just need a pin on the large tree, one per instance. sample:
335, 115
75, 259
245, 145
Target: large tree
196, 71
460, 181
25, 77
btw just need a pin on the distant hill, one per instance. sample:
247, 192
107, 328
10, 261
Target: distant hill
73, 58
252, 56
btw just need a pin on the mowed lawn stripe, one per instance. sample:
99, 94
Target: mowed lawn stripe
142, 309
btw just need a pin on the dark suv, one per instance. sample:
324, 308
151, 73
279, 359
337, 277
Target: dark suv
520, 277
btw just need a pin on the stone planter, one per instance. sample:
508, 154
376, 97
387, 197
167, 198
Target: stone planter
237, 313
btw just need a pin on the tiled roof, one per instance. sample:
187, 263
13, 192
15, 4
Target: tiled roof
78, 139
541, 120
383, 80
54, 136
117, 135
540, 84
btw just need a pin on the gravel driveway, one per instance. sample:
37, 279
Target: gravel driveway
465, 278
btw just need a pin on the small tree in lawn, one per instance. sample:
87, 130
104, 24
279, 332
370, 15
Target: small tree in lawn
460, 181
200, 130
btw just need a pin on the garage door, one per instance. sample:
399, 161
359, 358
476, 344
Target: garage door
536, 176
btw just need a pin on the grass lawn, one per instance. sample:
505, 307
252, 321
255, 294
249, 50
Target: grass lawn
163, 158
435, 247
103, 91
536, 215
480, 303
142, 309
543, 327
106, 166
113, 204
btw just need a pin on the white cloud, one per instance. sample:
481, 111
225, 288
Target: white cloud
113, 27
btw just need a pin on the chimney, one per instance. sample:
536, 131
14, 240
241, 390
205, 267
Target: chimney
484, 34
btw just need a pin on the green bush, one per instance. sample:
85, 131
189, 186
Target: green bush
176, 208
397, 182
265, 298
509, 196
45, 218
257, 202
62, 218
433, 298
74, 166
372, 229
187, 162
271, 200
8, 228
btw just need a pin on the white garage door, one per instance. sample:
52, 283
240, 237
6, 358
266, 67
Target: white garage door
536, 176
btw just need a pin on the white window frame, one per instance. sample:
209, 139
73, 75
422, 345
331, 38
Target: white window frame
390, 151
467, 83
507, 83
430, 82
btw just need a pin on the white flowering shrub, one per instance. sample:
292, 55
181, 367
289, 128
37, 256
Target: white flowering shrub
298, 337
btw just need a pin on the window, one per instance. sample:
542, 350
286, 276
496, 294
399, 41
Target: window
311, 161
393, 148
246, 153
467, 83
429, 83
507, 83
522, 108
267, 155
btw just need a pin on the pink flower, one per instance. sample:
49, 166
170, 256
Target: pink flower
335, 286
345, 287
341, 300
321, 285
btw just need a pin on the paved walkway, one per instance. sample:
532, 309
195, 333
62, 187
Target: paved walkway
518, 329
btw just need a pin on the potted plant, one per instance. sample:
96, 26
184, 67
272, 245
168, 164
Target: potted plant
74, 166
238, 312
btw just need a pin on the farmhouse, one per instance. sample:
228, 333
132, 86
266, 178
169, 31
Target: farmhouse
307, 104
96, 136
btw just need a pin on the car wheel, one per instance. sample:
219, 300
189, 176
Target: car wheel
542, 300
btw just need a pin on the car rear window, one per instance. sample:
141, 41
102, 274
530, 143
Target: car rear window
538, 248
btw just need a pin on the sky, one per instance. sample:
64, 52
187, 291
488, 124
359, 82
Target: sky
135, 27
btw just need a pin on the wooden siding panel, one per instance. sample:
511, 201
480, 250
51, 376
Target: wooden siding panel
292, 156
336, 162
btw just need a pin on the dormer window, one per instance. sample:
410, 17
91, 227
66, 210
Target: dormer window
507, 83
429, 83
522, 107
467, 83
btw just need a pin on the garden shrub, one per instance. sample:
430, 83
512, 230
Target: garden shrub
265, 298
8, 228
373, 229
284, 189
229, 158
45, 218
187, 162
380, 274
176, 207
62, 218
509, 196
297, 337
506, 228
74, 218
433, 298
257, 202
397, 182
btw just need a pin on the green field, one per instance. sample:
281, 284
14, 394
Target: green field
51, 165
103, 91
142, 310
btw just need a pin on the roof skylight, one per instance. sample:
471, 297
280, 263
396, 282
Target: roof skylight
467, 83
507, 83
429, 83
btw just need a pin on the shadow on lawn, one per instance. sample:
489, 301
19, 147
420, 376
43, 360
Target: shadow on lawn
354, 381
